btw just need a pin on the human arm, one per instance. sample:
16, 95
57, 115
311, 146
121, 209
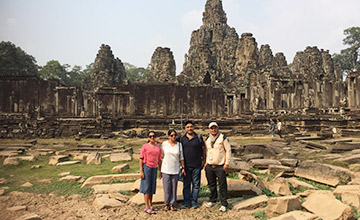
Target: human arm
203, 163
227, 147
142, 176
159, 165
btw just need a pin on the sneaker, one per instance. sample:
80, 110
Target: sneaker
195, 206
209, 204
222, 208
185, 206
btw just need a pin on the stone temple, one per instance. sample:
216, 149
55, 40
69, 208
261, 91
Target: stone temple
225, 77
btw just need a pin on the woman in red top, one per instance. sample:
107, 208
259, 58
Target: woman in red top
150, 159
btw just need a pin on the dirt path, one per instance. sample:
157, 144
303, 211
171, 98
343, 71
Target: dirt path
74, 207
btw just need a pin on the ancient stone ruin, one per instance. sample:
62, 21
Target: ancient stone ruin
224, 76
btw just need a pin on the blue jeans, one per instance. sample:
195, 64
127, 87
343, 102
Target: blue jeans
192, 177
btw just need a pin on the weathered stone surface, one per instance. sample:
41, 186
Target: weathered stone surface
313, 145
94, 180
108, 71
297, 184
9, 153
17, 208
240, 189
353, 159
251, 203
2, 192
322, 173
30, 216
12, 161
262, 149
28, 158
236, 166
3, 181
59, 158
279, 186
120, 168
64, 174
328, 208
118, 157
248, 157
27, 184
263, 163
334, 141
279, 168
354, 167
289, 162
105, 202
71, 178
80, 156
108, 188
163, 67
68, 163
296, 215
94, 158
282, 205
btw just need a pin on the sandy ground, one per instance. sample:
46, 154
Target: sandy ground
75, 207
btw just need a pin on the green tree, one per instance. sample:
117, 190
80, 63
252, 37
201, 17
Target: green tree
134, 73
15, 61
348, 59
66, 76
54, 70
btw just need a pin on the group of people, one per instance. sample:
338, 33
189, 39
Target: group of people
187, 154
272, 127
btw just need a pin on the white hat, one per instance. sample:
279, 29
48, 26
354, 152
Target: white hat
213, 124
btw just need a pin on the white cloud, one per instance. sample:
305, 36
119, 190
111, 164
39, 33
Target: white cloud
10, 21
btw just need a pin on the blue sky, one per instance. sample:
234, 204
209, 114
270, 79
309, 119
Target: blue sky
71, 31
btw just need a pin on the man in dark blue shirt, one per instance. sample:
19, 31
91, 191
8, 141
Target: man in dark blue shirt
194, 157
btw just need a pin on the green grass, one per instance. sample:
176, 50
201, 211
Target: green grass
315, 184
204, 191
125, 192
259, 215
294, 191
18, 175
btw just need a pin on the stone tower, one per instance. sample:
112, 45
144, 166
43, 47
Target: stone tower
163, 68
108, 71
211, 56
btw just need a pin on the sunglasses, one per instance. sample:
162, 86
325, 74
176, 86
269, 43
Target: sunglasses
152, 136
173, 135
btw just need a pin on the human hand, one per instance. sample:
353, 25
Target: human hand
142, 176
226, 167
160, 175
183, 172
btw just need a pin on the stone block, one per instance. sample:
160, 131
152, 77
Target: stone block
27, 184
118, 157
263, 163
282, 205
279, 186
94, 158
279, 168
17, 208
240, 189
30, 216
322, 173
120, 168
71, 178
105, 202
251, 203
68, 163
94, 180
12, 161
108, 188
289, 162
59, 158
326, 206
297, 184
296, 215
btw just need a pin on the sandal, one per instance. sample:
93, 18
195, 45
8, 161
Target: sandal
153, 208
166, 208
173, 208
149, 211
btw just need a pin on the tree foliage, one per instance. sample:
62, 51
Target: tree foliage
348, 59
134, 73
15, 61
64, 73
